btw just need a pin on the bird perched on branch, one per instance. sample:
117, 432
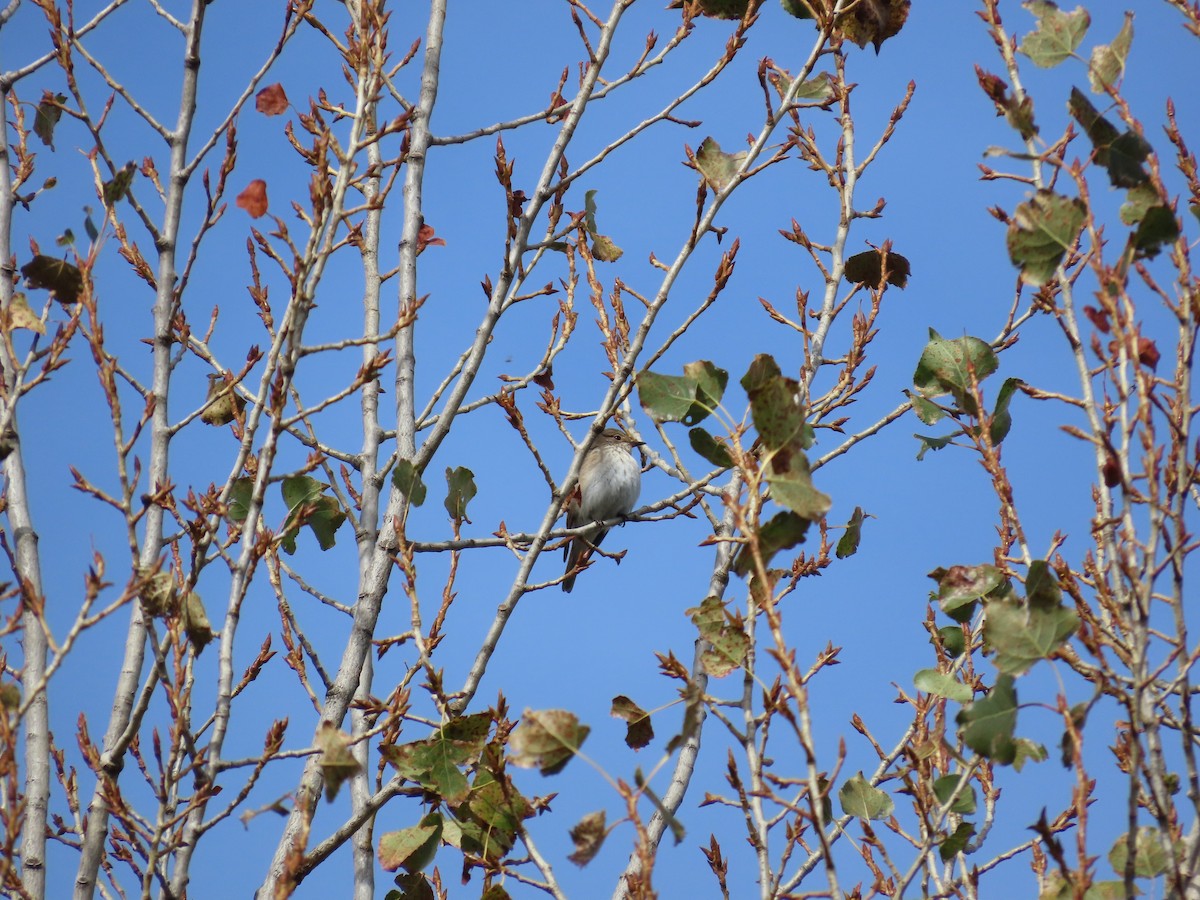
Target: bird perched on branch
609, 483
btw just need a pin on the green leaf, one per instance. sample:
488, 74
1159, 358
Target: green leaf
783, 531
436, 762
414, 848
1041, 586
492, 816
1056, 887
118, 186
238, 505
944, 788
930, 442
408, 481
1057, 35
818, 89
1150, 859
1122, 153
1028, 750
950, 367
1001, 418
956, 842
953, 640
687, 398
1108, 60
89, 226
1041, 232
987, 725
927, 411
717, 167
308, 505
1138, 200
790, 478
724, 9
49, 111
867, 269
775, 405
859, 798
1157, 227
460, 488
589, 210
710, 386
64, 280
780, 420
710, 448
943, 684
1021, 635
847, 545
413, 886
798, 8
962, 585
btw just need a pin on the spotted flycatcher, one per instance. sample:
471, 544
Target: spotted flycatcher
609, 483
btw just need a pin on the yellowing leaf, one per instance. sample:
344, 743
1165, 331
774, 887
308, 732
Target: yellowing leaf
718, 167
21, 316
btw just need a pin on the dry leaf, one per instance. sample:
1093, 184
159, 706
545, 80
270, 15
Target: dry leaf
271, 100
254, 198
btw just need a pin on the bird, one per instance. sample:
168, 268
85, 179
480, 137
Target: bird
610, 480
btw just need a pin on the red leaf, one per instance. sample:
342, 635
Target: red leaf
1148, 353
1098, 318
271, 100
254, 198
426, 238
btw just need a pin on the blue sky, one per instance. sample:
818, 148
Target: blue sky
578, 652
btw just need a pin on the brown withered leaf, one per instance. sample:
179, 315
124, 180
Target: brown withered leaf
58, 276
873, 21
1111, 470
588, 836
1148, 354
271, 100
254, 198
867, 269
640, 732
